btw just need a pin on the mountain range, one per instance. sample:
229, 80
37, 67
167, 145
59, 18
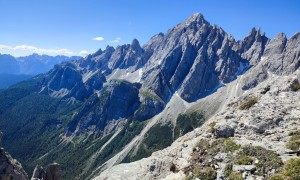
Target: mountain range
187, 104
16, 69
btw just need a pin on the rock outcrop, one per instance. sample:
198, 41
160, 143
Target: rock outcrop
51, 172
9, 167
117, 100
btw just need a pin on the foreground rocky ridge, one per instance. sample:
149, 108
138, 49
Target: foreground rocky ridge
267, 124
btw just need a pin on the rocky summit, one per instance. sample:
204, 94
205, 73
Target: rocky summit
191, 103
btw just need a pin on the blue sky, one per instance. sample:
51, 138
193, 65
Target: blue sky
72, 26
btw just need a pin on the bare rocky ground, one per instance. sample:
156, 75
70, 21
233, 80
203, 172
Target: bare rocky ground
265, 123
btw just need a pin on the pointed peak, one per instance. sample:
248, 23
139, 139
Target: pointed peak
109, 48
258, 29
135, 43
280, 36
197, 17
253, 31
258, 35
97, 53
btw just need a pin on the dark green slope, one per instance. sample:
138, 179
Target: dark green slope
32, 122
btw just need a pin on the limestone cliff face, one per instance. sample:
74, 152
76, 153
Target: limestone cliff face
193, 59
117, 100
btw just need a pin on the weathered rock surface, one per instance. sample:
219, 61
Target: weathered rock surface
38, 173
267, 123
51, 172
223, 130
9, 167
117, 100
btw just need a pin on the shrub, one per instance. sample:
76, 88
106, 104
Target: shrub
290, 171
268, 159
173, 168
243, 160
248, 103
292, 168
295, 86
228, 170
207, 173
212, 127
230, 145
235, 176
203, 143
294, 141
280, 177
218, 145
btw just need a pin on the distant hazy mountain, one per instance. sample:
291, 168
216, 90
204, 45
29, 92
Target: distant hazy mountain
33, 64
16, 69
7, 80
9, 64
36, 64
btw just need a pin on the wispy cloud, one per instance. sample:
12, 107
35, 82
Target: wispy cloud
4, 47
83, 53
98, 38
117, 40
26, 49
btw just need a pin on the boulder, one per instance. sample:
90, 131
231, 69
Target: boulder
38, 173
244, 168
223, 131
53, 172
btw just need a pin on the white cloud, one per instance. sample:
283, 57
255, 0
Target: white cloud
83, 53
117, 40
4, 47
98, 38
26, 50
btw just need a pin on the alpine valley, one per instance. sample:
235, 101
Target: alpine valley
190, 103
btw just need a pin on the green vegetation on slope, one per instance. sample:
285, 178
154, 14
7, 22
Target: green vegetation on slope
206, 150
157, 138
73, 157
290, 171
187, 122
32, 122
249, 102
294, 141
